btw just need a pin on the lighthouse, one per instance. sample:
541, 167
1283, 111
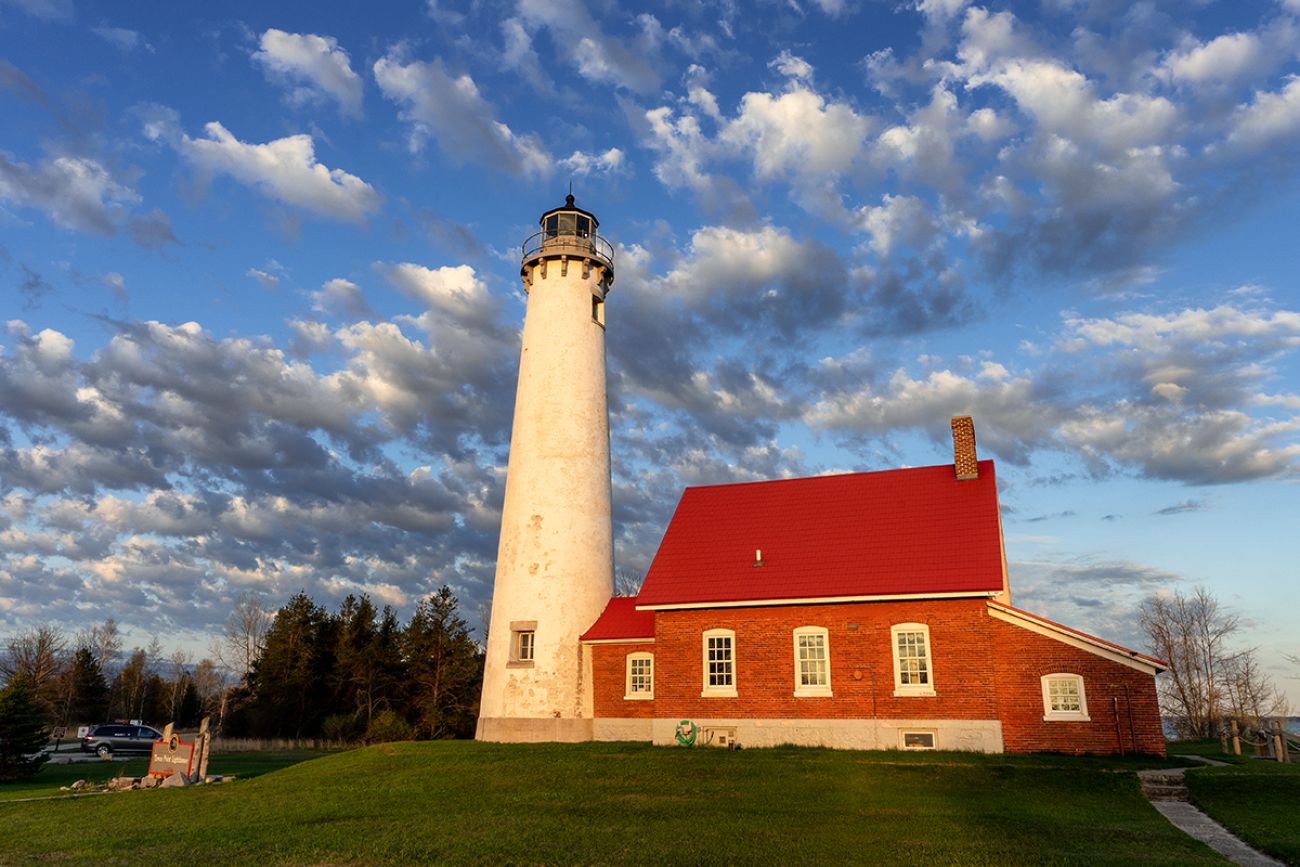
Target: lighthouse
555, 559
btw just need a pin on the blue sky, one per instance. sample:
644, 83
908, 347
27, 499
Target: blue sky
260, 279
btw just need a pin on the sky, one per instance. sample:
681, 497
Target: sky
261, 304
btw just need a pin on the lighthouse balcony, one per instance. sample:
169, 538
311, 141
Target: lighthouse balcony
553, 243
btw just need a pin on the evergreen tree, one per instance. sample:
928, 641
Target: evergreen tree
22, 730
289, 681
190, 709
87, 690
445, 669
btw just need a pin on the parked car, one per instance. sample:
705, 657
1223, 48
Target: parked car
111, 738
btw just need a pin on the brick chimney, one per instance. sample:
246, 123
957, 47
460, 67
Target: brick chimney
963, 447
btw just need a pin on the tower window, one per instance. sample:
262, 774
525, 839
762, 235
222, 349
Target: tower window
598, 310
523, 643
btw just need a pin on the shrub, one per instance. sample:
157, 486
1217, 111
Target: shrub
387, 726
340, 727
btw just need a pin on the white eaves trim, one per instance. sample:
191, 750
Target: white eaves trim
820, 600
1074, 639
618, 640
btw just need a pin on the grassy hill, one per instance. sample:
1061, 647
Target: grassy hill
466, 802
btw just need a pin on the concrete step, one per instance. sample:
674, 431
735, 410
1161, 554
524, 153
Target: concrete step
1166, 793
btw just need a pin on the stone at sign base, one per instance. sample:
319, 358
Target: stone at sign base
175, 781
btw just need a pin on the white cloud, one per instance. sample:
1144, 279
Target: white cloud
267, 279
1268, 118
455, 290
284, 169
314, 67
122, 38
1064, 102
792, 67
599, 57
582, 163
731, 262
76, 192
940, 11
50, 10
797, 133
341, 297
452, 111
1222, 58
898, 220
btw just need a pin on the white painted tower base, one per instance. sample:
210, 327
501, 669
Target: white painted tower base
555, 561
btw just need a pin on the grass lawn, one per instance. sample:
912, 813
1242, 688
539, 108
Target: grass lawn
1211, 749
467, 802
1258, 801
50, 777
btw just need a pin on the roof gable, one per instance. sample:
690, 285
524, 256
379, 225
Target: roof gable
917, 531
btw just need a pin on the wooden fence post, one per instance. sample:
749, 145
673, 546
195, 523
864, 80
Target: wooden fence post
1236, 739
1279, 745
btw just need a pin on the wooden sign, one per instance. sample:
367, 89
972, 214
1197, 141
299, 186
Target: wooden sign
171, 757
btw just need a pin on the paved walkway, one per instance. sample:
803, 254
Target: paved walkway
1168, 794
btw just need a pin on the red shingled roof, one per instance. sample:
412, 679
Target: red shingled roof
620, 621
900, 532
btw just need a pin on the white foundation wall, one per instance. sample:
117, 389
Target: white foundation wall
555, 559
984, 736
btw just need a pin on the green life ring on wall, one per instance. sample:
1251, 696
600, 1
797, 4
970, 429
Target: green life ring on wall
686, 732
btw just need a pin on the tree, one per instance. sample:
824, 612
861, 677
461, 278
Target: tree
445, 668
37, 654
86, 689
628, 582
178, 679
1207, 677
210, 684
288, 680
244, 637
23, 732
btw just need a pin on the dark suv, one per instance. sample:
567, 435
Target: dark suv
119, 738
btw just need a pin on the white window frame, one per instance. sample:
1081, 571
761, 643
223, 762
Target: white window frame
930, 733
820, 690
640, 695
1080, 715
728, 691
912, 689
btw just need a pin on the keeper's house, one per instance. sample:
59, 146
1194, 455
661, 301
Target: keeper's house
866, 611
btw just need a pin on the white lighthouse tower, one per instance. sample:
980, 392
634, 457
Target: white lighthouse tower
555, 561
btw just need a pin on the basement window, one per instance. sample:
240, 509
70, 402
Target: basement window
1064, 698
923, 740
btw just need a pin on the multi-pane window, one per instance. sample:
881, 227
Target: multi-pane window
524, 645
1064, 698
640, 676
719, 662
913, 671
811, 661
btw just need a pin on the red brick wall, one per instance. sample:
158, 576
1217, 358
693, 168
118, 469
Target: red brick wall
861, 661
609, 681
1109, 688
983, 668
